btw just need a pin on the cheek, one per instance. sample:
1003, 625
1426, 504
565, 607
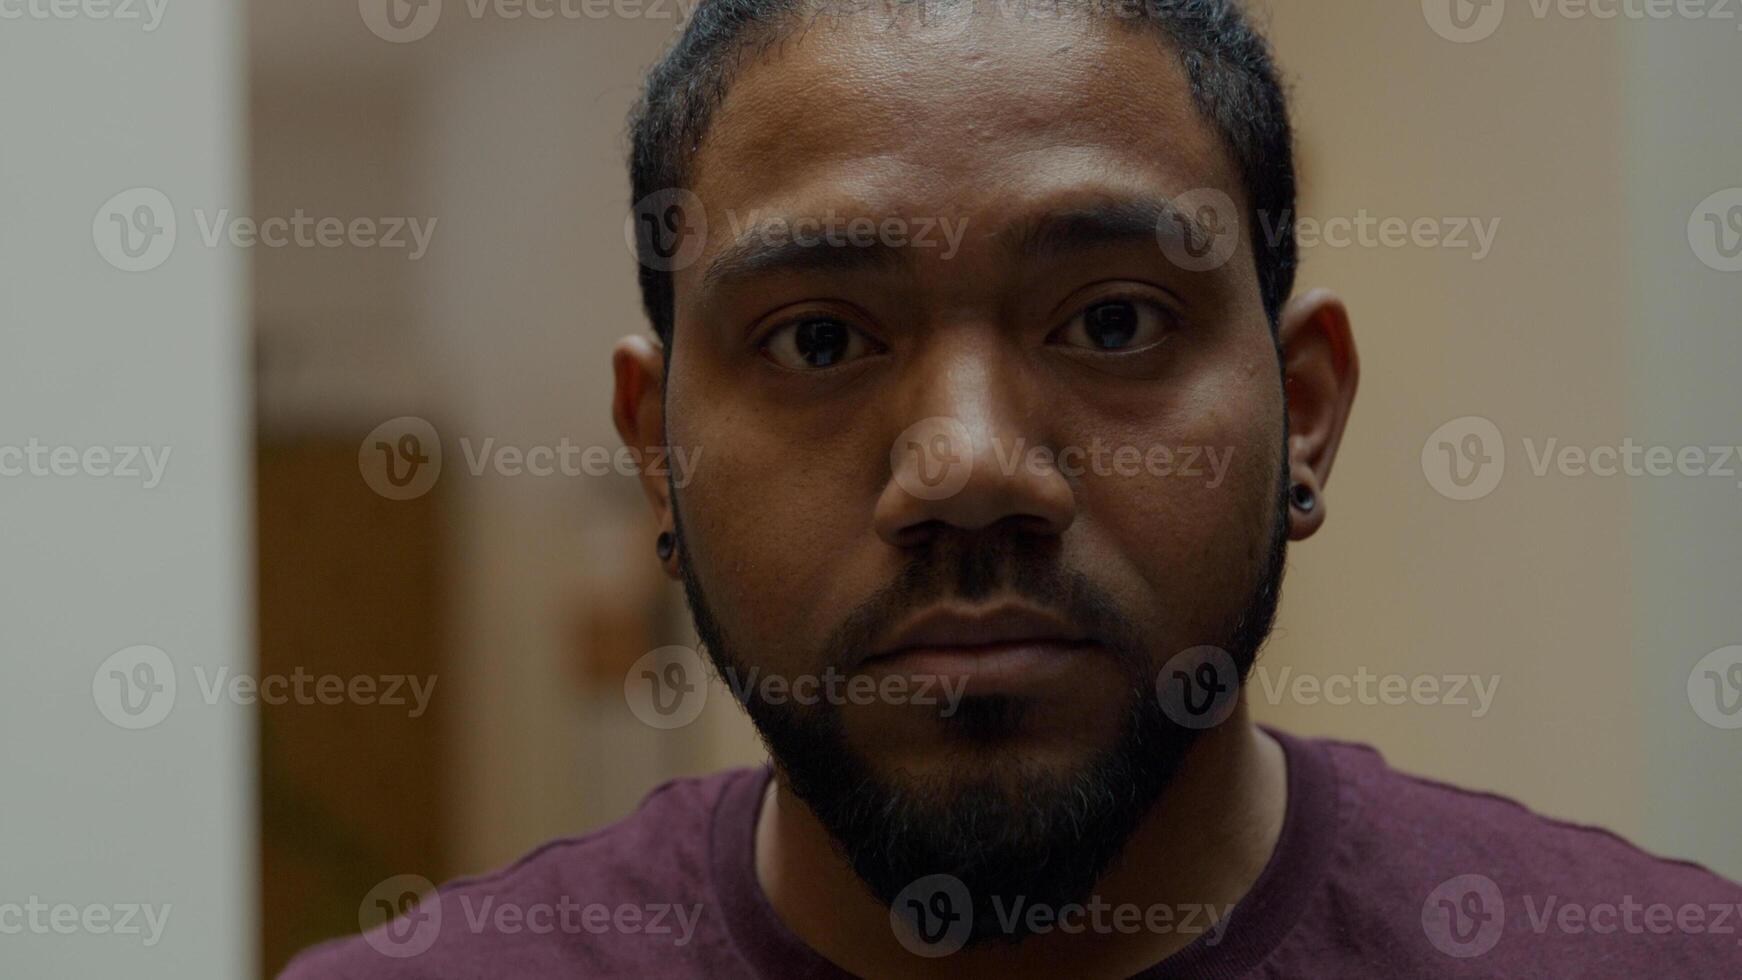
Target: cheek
1192, 525
773, 529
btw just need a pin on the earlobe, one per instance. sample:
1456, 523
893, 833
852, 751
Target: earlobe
1320, 374
638, 409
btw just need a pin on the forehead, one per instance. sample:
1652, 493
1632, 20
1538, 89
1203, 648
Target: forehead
975, 108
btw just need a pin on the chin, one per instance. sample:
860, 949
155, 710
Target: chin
1004, 744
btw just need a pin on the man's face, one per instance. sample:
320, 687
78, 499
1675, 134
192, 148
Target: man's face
1095, 481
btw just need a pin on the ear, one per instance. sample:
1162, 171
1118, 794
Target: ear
1320, 372
638, 409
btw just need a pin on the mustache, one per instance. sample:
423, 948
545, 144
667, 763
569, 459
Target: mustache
977, 568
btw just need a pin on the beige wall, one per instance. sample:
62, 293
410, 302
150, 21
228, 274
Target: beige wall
1532, 583
1592, 321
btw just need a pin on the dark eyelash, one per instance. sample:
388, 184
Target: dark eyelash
1168, 314
872, 345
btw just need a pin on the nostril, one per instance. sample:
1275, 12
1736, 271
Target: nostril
1034, 524
920, 533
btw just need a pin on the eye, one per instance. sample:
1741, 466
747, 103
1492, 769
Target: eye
1116, 326
813, 343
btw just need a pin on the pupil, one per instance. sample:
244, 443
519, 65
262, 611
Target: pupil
821, 342
1112, 325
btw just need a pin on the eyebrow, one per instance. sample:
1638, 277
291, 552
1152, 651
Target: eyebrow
1127, 221
1062, 231
753, 256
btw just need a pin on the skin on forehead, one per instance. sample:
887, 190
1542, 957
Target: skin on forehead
983, 119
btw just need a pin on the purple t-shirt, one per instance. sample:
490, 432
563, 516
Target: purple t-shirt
1375, 874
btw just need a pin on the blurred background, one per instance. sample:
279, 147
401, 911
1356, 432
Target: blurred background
481, 144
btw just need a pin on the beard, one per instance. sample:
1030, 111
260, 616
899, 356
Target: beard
1011, 835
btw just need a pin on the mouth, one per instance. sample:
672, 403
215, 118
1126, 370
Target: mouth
1004, 649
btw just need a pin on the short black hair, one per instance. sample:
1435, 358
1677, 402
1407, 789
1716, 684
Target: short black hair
1232, 73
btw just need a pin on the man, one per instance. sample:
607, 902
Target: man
1009, 411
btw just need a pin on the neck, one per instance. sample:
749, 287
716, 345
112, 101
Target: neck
1196, 853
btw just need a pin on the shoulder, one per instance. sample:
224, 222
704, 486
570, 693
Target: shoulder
1466, 875
1404, 821
629, 893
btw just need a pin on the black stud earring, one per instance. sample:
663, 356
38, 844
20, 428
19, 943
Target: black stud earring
665, 545
1303, 498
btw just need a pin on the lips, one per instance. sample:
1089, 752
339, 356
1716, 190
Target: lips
946, 628
1007, 649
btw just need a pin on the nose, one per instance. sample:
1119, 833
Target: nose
976, 451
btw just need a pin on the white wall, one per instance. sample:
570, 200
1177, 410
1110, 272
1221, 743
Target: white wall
94, 816
1685, 349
